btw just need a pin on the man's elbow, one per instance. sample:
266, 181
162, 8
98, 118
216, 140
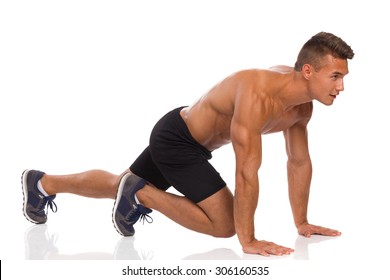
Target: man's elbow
299, 161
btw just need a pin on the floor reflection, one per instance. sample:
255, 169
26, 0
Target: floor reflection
41, 245
302, 243
301, 251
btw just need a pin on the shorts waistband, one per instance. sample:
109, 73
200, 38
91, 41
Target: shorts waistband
185, 132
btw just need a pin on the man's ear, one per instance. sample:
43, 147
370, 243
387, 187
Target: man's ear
307, 71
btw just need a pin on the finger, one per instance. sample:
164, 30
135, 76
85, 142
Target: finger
328, 232
306, 234
275, 251
257, 251
286, 250
264, 253
279, 251
332, 233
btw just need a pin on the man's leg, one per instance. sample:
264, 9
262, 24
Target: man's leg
93, 183
213, 216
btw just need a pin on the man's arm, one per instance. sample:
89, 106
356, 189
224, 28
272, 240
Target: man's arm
246, 139
247, 148
299, 170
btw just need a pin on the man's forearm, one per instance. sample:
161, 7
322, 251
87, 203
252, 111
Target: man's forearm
299, 179
245, 203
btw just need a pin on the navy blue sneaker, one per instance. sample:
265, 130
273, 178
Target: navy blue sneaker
34, 202
126, 211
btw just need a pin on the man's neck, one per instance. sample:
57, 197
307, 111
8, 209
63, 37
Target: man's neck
294, 92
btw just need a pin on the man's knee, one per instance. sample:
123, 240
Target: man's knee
225, 231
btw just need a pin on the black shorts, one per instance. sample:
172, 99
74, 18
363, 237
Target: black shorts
174, 158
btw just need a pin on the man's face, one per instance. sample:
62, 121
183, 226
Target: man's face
327, 82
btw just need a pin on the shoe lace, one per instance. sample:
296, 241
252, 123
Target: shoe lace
48, 202
52, 205
145, 217
138, 215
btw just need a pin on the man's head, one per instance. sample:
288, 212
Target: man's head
322, 62
320, 45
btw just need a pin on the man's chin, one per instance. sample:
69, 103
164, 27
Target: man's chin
327, 103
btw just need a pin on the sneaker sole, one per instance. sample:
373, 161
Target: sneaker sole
25, 193
117, 199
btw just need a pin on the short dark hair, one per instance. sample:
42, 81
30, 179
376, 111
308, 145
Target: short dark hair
319, 46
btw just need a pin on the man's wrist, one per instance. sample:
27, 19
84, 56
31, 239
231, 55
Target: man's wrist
245, 239
301, 223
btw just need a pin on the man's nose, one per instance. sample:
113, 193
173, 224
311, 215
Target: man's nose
340, 85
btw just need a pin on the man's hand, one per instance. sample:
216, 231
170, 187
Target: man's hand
308, 230
265, 248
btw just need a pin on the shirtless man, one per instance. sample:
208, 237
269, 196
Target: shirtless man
238, 110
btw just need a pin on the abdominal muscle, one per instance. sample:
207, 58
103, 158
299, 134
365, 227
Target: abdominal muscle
208, 127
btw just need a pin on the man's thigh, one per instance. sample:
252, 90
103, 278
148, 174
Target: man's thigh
219, 207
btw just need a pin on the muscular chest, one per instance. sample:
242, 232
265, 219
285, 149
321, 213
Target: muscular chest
281, 122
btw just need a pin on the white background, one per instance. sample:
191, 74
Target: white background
83, 82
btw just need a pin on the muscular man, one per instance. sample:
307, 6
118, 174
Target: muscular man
238, 110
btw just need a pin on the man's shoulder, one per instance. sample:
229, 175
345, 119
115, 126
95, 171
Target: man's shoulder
260, 79
283, 69
246, 73
277, 68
